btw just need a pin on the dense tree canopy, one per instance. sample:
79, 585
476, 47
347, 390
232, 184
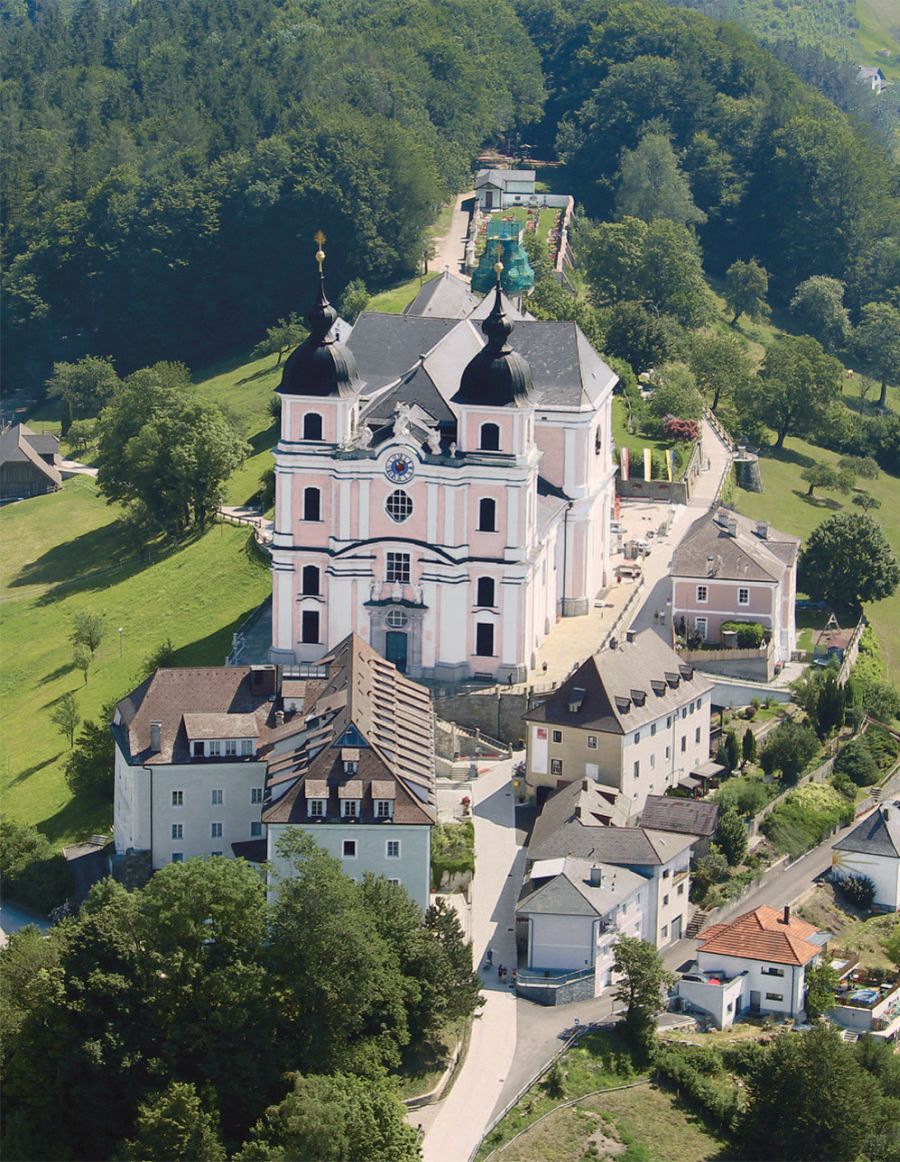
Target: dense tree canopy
796, 384
167, 165
179, 1008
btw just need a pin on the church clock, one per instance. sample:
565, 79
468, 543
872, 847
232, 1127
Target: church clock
399, 468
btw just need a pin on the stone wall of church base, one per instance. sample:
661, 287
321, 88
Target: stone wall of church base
496, 712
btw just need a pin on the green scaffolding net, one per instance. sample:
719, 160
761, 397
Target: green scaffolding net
504, 242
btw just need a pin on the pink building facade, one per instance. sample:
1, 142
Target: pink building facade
434, 494
728, 568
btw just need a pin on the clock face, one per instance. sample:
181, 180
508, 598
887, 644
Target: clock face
399, 468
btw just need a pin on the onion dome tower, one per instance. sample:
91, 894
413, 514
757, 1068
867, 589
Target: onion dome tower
497, 377
321, 366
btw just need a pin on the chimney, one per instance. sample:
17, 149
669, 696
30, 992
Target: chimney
585, 785
596, 876
731, 526
630, 635
787, 914
762, 530
578, 811
279, 718
885, 812
156, 736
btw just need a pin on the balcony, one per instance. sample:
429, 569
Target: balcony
868, 1004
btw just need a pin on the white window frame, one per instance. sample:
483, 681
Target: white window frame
556, 736
214, 747
256, 795
384, 809
397, 568
216, 797
216, 830
246, 746
388, 852
231, 747
701, 625
177, 831
349, 808
348, 849
702, 594
592, 742
178, 798
743, 596
317, 808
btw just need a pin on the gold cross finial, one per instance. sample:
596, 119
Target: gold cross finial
319, 239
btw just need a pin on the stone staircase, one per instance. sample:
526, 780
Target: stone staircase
696, 923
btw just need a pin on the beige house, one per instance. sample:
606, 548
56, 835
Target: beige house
634, 719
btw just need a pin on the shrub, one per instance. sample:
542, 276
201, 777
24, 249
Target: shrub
452, 850
805, 817
747, 794
882, 745
33, 875
750, 634
788, 749
855, 762
690, 1074
856, 890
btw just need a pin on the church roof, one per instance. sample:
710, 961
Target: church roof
444, 297
386, 347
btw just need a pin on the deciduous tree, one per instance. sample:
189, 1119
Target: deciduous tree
84, 388
175, 1125
87, 630
856, 761
354, 300
746, 288
877, 340
642, 988
731, 836
847, 560
788, 749
65, 716
818, 303
821, 982
652, 184
796, 384
720, 365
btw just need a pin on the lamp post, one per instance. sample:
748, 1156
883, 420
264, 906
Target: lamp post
121, 641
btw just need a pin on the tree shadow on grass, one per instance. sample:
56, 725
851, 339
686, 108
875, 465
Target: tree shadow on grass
95, 560
29, 771
817, 501
264, 440
787, 456
261, 373
59, 672
81, 817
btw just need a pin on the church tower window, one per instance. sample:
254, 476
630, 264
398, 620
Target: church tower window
487, 516
312, 504
310, 581
309, 626
312, 426
484, 640
485, 595
490, 438
399, 505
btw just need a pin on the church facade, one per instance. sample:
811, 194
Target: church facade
443, 489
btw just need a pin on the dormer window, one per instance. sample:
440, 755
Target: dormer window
350, 808
317, 808
674, 680
231, 747
384, 809
350, 759
623, 705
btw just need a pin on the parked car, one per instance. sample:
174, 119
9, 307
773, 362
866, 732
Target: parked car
643, 547
615, 527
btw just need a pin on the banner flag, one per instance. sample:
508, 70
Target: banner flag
648, 464
670, 463
625, 463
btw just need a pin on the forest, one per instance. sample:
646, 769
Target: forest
166, 164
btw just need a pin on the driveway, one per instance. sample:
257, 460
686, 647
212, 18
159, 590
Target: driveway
456, 1125
450, 251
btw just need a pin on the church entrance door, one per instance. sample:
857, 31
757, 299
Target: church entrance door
395, 646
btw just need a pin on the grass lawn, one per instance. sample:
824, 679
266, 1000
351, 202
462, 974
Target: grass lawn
649, 1120
879, 35
785, 504
393, 301
852, 930
600, 1060
636, 442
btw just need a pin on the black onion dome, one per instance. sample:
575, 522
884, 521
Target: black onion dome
321, 365
497, 376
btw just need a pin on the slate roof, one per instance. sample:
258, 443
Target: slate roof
566, 370
744, 557
499, 177
763, 935
391, 722
444, 297
580, 821
876, 835
570, 893
614, 683
686, 816
388, 346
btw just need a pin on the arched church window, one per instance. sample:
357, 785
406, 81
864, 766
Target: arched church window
310, 580
485, 592
312, 426
312, 504
487, 515
490, 438
399, 505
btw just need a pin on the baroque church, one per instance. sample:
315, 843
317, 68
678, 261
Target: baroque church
444, 484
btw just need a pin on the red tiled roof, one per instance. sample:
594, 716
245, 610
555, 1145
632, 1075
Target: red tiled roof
762, 935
